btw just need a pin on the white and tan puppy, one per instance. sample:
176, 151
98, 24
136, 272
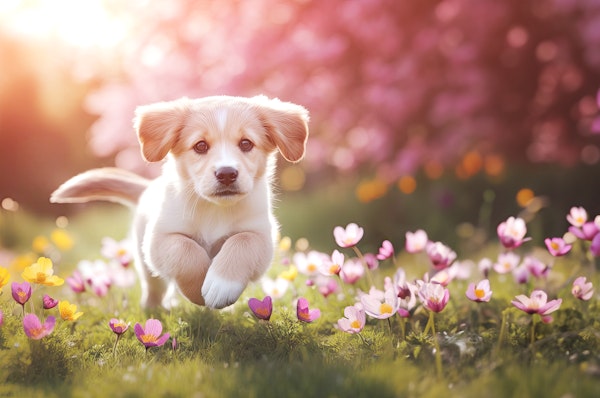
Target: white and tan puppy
206, 223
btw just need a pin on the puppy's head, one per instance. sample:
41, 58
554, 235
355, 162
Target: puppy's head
222, 144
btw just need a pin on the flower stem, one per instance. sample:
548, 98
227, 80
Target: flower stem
438, 352
532, 342
502, 329
115, 346
364, 262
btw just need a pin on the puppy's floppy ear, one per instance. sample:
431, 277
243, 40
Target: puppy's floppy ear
157, 126
286, 125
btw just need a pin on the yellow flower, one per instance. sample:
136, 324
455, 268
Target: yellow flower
68, 311
290, 274
42, 273
40, 244
4, 277
61, 239
22, 261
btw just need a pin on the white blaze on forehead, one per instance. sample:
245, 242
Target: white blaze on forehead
221, 117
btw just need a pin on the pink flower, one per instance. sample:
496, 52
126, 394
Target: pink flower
310, 263
261, 308
536, 267
557, 246
326, 285
349, 236
537, 304
49, 302
581, 289
371, 261
332, 266
352, 271
484, 266
380, 304
434, 296
385, 251
118, 251
480, 292
577, 216
34, 329
354, 319
440, 255
150, 335
21, 292
595, 246
512, 232
587, 231
118, 326
506, 262
1, 318
305, 314
416, 241
521, 274
76, 282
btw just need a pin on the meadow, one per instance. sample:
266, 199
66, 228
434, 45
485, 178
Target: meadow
430, 338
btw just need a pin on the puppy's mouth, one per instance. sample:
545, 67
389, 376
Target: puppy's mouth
226, 192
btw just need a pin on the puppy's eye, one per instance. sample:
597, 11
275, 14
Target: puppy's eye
246, 145
201, 147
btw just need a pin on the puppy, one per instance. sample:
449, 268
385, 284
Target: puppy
206, 223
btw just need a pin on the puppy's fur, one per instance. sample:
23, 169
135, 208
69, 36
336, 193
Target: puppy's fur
205, 224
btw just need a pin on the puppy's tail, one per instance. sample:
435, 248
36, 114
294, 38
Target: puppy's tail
109, 184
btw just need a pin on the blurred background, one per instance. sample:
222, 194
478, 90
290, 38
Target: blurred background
445, 115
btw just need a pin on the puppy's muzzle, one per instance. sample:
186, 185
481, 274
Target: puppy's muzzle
226, 175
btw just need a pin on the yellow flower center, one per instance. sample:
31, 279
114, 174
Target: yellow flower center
262, 311
355, 324
334, 269
311, 267
36, 332
385, 308
40, 277
21, 294
121, 252
149, 338
554, 245
479, 293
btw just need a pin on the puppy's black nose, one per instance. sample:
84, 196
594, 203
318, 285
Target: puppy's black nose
226, 175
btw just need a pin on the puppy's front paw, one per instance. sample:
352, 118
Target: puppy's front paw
219, 292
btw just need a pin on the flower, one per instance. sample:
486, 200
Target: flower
434, 296
354, 319
581, 289
261, 308
595, 246
97, 275
290, 274
537, 304
309, 263
21, 292
118, 251
61, 239
332, 266
557, 246
275, 288
506, 262
150, 335
385, 251
76, 282
42, 273
577, 216
68, 311
49, 302
536, 267
416, 241
326, 285
352, 271
440, 255
1, 318
4, 277
305, 314
349, 236
34, 329
484, 266
380, 304
480, 292
118, 326
512, 232
587, 231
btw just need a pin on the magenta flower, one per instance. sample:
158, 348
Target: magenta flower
581, 289
440, 255
150, 335
34, 329
349, 236
48, 302
118, 326
512, 232
479, 292
1, 318
261, 308
354, 319
536, 267
416, 241
305, 314
595, 246
434, 296
385, 251
76, 282
587, 231
557, 246
537, 304
21, 292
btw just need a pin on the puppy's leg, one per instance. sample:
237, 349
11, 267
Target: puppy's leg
181, 258
243, 257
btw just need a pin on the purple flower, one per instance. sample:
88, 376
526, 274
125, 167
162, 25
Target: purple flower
118, 326
261, 308
34, 329
440, 255
386, 250
150, 335
21, 292
76, 282
305, 314
557, 246
1, 318
582, 289
434, 296
587, 231
49, 302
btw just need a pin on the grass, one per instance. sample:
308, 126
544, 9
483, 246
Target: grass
230, 353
